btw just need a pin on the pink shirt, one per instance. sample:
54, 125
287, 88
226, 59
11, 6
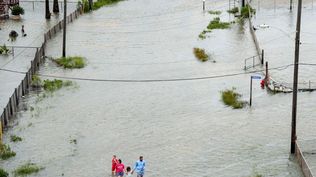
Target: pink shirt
119, 168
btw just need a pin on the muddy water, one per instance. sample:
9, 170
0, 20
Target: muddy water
181, 128
281, 35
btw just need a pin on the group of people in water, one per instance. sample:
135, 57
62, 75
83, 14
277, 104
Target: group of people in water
118, 168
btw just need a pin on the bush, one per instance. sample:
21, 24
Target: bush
85, 4
233, 10
15, 138
200, 54
214, 12
56, 84
217, 24
17, 10
231, 98
3, 173
36, 81
245, 11
4, 50
100, 3
71, 62
5, 152
27, 169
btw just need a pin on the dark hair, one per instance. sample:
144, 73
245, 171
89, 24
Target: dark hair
120, 160
128, 169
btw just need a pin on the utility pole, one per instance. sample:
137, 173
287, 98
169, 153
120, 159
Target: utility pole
291, 4
64, 30
295, 77
47, 12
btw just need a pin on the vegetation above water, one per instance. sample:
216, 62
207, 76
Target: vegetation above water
56, 84
36, 81
6, 152
231, 98
49, 85
247, 11
4, 50
15, 138
27, 169
214, 24
3, 173
217, 24
98, 4
214, 12
200, 54
17, 10
70, 62
233, 10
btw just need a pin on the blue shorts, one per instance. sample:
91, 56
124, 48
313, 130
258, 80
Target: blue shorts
119, 173
140, 174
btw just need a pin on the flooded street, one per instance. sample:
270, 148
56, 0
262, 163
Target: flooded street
144, 93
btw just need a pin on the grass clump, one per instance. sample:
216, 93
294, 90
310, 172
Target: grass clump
214, 12
202, 35
3, 173
4, 50
36, 81
247, 11
231, 98
100, 3
56, 84
71, 62
233, 10
15, 138
200, 54
6, 152
217, 24
27, 169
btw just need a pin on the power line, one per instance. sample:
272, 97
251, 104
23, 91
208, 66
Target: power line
151, 80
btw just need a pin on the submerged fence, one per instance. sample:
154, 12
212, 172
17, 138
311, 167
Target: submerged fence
302, 161
24, 86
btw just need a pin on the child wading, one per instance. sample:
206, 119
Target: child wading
119, 169
114, 163
128, 171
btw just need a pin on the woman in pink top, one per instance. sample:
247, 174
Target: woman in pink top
119, 169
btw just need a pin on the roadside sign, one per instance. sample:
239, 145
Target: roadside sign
255, 77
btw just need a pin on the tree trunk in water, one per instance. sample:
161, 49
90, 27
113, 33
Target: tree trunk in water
55, 6
47, 12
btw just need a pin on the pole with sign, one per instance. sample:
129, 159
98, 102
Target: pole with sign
252, 77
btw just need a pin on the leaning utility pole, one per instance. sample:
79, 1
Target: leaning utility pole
64, 28
295, 77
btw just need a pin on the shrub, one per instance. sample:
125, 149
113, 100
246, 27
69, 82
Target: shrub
85, 4
200, 54
245, 11
233, 10
5, 152
231, 98
214, 12
4, 50
36, 81
27, 169
217, 24
56, 84
71, 62
100, 3
17, 10
15, 138
3, 173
